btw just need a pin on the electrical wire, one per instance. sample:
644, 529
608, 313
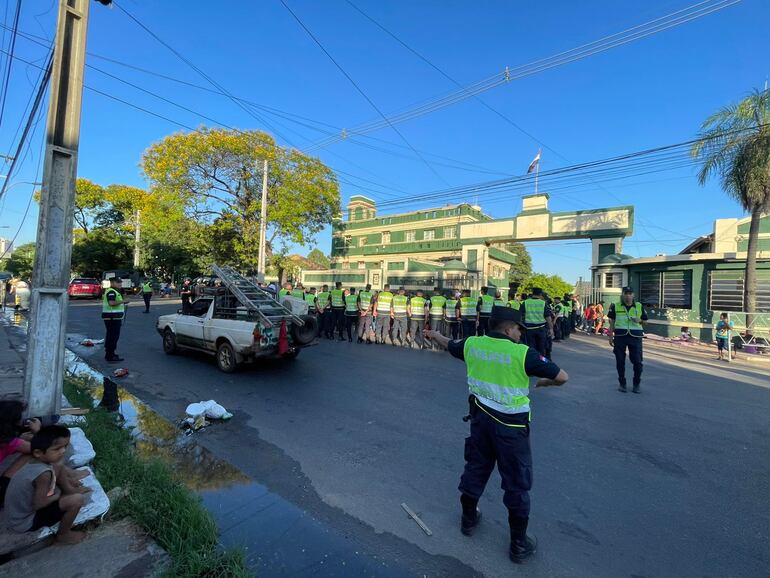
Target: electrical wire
7, 75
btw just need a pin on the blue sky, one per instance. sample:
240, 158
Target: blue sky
644, 94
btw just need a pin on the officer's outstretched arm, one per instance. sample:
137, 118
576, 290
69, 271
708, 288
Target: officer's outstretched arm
560, 379
437, 337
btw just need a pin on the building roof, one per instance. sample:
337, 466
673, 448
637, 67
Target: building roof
455, 265
614, 258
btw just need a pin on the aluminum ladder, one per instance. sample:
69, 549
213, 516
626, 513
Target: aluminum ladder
253, 298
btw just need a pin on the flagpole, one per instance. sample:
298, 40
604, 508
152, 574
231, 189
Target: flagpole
537, 173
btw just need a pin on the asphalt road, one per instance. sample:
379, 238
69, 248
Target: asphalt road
673, 482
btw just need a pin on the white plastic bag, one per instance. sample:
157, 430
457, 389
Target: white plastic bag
211, 409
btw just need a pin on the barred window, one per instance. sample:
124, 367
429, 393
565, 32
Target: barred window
649, 289
677, 289
429, 235
726, 291
613, 280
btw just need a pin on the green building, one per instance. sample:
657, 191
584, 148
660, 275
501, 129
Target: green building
417, 250
692, 288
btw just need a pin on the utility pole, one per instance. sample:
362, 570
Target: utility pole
262, 228
137, 234
44, 373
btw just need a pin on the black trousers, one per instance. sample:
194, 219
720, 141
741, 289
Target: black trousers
325, 320
350, 325
565, 327
634, 346
147, 297
111, 338
492, 443
557, 332
483, 324
338, 316
453, 329
537, 339
469, 328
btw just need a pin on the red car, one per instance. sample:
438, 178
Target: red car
85, 287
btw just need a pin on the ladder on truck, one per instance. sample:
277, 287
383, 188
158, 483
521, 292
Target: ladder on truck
253, 298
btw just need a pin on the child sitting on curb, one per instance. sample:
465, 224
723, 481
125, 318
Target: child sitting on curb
39, 494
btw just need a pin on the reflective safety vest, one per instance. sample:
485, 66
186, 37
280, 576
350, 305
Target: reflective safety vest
497, 374
499, 303
310, 299
282, 292
487, 302
338, 298
418, 307
437, 303
557, 309
366, 299
399, 305
384, 299
623, 323
298, 293
450, 312
147, 287
351, 304
118, 311
323, 300
468, 307
534, 313
514, 304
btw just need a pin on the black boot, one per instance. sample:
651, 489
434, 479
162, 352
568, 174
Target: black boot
636, 386
471, 515
522, 546
622, 387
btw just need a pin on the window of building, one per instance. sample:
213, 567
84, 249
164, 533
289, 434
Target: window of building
677, 289
410, 236
670, 289
429, 235
347, 241
613, 280
361, 241
450, 232
361, 265
435, 214
386, 237
726, 291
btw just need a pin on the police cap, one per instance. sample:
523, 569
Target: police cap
500, 313
628, 289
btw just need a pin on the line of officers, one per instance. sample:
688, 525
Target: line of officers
401, 318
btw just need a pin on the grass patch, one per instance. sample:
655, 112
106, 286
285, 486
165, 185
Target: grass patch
155, 499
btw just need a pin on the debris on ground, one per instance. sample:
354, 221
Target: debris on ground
120, 372
210, 409
417, 519
91, 342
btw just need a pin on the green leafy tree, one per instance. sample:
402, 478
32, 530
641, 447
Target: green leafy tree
522, 268
101, 250
217, 174
734, 145
21, 261
554, 285
317, 257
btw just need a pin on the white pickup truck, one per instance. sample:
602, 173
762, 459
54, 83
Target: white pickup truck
220, 326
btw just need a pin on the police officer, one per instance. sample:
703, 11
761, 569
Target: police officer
467, 313
146, 294
499, 367
324, 312
113, 313
484, 308
310, 299
627, 318
338, 310
436, 306
351, 312
298, 292
450, 314
285, 290
400, 316
365, 314
537, 319
499, 300
186, 293
416, 311
384, 309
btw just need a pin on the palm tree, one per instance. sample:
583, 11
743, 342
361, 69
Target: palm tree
734, 144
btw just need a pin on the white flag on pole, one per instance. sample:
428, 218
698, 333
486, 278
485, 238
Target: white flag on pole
534, 164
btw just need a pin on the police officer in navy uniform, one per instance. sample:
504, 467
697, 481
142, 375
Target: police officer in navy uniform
627, 318
113, 313
499, 365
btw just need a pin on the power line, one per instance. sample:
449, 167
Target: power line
7, 76
633, 34
360, 90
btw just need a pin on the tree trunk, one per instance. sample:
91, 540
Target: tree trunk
750, 281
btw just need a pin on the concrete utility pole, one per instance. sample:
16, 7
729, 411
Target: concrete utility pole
47, 328
137, 234
263, 229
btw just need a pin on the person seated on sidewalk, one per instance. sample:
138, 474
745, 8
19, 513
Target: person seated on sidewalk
15, 447
685, 335
39, 495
